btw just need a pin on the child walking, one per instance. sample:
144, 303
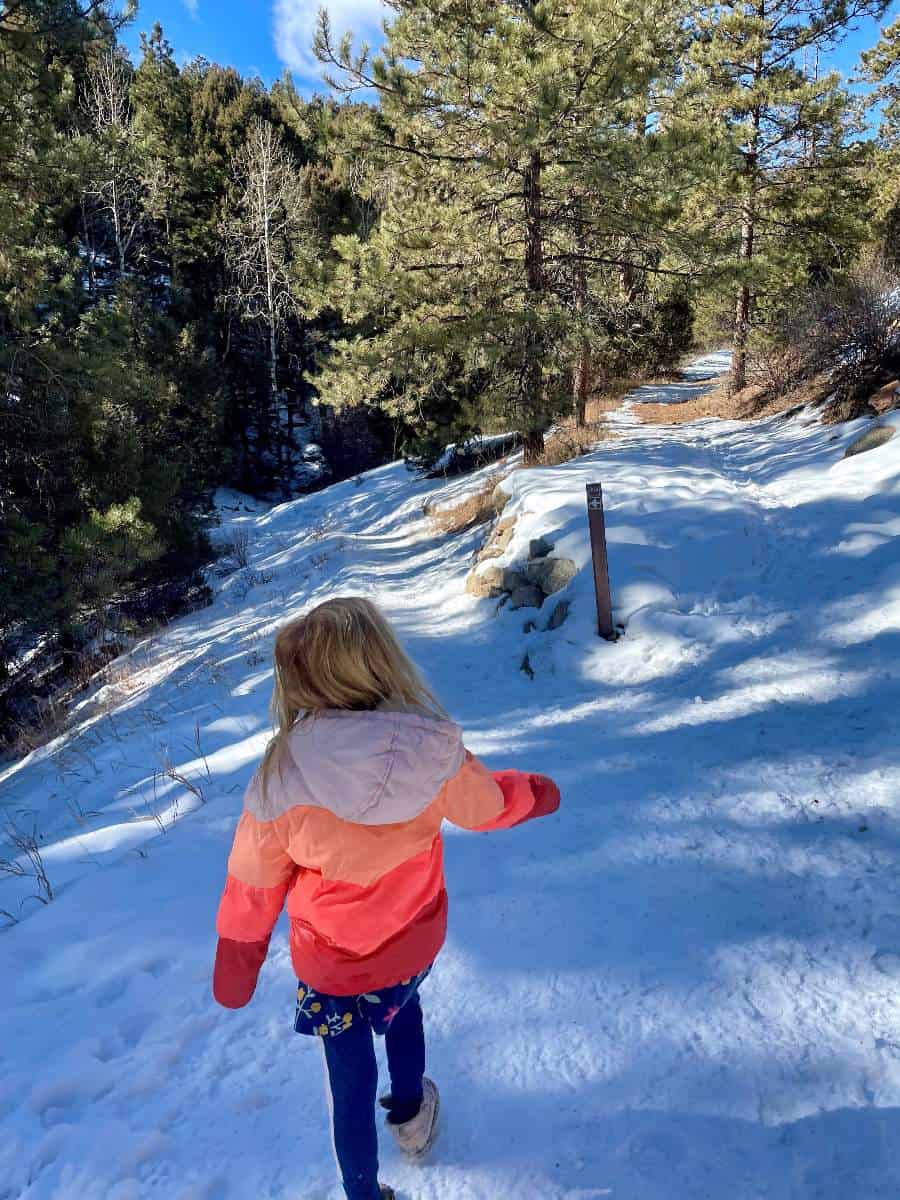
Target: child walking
342, 822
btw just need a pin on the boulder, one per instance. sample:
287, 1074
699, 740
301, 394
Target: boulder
870, 440
487, 582
550, 574
886, 397
499, 539
526, 597
539, 547
559, 614
512, 579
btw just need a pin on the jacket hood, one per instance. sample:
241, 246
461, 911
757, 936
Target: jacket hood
374, 768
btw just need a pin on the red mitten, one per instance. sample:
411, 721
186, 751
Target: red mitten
237, 970
546, 795
524, 796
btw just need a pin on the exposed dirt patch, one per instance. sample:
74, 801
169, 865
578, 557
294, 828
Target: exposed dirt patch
568, 441
609, 397
753, 401
474, 509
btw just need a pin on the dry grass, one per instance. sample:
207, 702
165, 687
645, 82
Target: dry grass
114, 676
608, 398
475, 509
28, 847
569, 441
753, 401
49, 720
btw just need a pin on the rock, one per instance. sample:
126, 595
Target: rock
886, 397
499, 498
512, 579
870, 440
526, 597
539, 547
550, 574
488, 582
499, 540
559, 614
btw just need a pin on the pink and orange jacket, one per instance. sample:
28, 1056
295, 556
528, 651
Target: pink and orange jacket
348, 836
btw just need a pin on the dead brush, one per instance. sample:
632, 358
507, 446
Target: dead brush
322, 528
569, 441
29, 850
238, 547
48, 722
474, 509
170, 771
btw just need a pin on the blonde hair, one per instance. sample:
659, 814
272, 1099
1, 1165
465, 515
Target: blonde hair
341, 654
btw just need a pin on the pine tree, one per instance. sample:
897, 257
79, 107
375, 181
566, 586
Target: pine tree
502, 154
881, 66
160, 97
778, 135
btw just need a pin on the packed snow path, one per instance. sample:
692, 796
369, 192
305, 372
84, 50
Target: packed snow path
682, 985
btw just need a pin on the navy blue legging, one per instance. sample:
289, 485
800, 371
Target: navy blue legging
353, 1078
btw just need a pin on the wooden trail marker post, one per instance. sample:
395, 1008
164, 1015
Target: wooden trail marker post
597, 528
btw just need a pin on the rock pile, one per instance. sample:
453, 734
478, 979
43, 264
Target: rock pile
527, 585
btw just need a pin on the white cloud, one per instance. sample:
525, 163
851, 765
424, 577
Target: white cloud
295, 24
193, 7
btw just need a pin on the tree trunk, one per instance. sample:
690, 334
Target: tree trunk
271, 318
581, 375
738, 379
532, 386
117, 228
533, 445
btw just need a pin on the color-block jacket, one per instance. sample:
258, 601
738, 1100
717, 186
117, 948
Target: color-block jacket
348, 834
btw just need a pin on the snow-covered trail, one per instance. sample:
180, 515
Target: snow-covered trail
682, 985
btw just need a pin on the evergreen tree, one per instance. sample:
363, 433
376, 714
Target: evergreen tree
881, 66
780, 195
160, 96
502, 155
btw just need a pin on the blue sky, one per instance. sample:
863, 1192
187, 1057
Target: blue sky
263, 37
258, 37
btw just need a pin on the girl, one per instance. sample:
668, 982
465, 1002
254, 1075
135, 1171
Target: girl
342, 819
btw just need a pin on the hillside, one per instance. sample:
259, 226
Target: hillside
681, 985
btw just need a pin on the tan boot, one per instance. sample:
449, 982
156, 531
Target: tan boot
415, 1137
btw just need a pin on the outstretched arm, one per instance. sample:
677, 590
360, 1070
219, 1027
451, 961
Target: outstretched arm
476, 798
525, 796
259, 874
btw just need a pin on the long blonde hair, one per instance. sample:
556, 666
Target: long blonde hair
341, 654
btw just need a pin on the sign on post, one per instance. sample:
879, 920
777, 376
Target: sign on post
597, 527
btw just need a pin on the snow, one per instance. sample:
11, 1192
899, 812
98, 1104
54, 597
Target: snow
681, 985
483, 443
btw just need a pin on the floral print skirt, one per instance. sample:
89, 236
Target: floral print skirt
321, 1015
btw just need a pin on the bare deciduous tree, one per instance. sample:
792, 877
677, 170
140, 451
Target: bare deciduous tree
264, 231
116, 190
